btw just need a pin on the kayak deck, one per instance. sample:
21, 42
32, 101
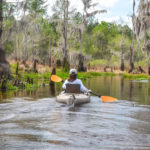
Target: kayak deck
73, 98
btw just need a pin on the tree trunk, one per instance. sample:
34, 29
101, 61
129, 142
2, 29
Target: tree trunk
65, 27
141, 70
17, 46
122, 65
131, 59
66, 64
50, 53
81, 63
25, 48
4, 85
4, 65
80, 56
51, 83
34, 66
149, 69
1, 21
17, 68
80, 37
122, 58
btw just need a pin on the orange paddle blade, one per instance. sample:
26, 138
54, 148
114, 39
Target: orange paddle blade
55, 78
108, 99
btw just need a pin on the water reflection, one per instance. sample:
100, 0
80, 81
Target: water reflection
124, 89
52, 90
114, 86
131, 90
34, 120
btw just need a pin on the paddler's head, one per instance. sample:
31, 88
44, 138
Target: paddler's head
72, 75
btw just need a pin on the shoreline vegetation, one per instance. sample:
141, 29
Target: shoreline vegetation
25, 78
67, 38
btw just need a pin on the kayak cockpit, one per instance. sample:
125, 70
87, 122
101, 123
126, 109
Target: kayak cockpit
73, 98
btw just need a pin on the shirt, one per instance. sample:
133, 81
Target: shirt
77, 81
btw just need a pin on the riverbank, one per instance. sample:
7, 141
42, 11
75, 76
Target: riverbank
24, 77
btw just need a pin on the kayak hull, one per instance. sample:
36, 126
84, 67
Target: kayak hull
72, 98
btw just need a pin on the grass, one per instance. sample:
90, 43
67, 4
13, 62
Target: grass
31, 76
32, 86
39, 78
112, 61
136, 77
83, 75
9, 86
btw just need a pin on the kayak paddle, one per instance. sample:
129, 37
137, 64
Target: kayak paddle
105, 98
55, 78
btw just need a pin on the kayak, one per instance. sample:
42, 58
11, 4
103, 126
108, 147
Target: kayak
73, 98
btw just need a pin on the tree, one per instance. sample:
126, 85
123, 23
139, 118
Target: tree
1, 20
132, 45
35, 6
61, 9
87, 4
141, 24
51, 36
4, 68
65, 28
102, 36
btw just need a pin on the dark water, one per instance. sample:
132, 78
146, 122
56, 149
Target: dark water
33, 120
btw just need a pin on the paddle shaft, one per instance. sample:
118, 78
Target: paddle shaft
95, 94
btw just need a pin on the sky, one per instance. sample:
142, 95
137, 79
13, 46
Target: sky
118, 11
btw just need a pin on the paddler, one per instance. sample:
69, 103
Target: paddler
73, 80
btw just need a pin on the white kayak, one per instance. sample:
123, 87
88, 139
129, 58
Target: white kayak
73, 98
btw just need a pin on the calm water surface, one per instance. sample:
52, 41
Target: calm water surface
33, 120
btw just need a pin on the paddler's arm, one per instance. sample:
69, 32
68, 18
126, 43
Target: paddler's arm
83, 88
64, 84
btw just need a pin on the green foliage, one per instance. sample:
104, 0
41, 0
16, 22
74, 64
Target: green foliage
11, 87
46, 75
66, 66
91, 26
113, 61
116, 43
36, 6
37, 36
32, 86
32, 76
147, 36
83, 75
98, 62
9, 47
49, 31
62, 74
97, 42
77, 17
136, 77
142, 62
126, 30
103, 41
101, 74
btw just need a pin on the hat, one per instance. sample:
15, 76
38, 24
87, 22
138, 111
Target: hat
73, 71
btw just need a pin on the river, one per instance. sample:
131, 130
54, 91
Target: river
33, 120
